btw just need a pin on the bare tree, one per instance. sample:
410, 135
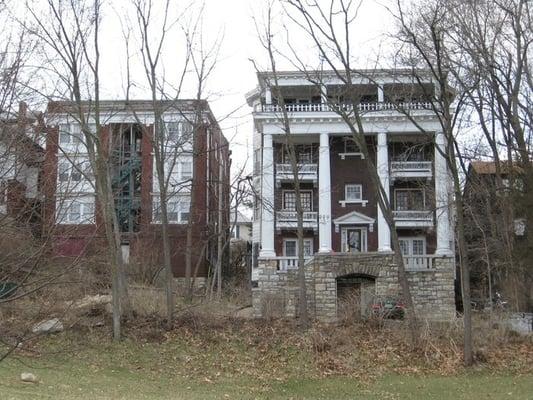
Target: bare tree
69, 41
266, 40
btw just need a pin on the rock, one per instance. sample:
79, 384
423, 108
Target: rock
93, 301
28, 377
53, 325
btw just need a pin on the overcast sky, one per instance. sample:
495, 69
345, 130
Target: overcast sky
234, 74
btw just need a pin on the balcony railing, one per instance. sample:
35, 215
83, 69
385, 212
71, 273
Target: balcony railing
286, 263
289, 219
406, 218
324, 107
419, 263
410, 169
305, 172
410, 166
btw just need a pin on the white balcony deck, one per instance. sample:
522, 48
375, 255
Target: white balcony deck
413, 218
424, 262
362, 107
411, 169
306, 172
286, 263
288, 220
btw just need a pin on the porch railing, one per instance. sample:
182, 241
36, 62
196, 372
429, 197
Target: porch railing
412, 215
324, 107
308, 216
286, 263
419, 263
410, 166
308, 169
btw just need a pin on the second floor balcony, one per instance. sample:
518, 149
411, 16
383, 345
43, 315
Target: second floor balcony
411, 169
305, 172
413, 218
288, 219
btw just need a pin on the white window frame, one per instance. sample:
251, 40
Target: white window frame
308, 241
86, 213
70, 131
294, 191
347, 153
364, 238
424, 204
412, 261
188, 176
178, 204
353, 201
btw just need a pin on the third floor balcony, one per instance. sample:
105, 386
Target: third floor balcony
309, 107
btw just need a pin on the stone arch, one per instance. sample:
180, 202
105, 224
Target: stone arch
357, 268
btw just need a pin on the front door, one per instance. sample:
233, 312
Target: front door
354, 240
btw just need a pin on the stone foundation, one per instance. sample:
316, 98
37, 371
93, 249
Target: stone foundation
276, 294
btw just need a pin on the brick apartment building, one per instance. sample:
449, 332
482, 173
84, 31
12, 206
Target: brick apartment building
21, 157
347, 242
197, 160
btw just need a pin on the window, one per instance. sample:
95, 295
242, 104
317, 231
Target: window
172, 130
289, 200
70, 134
75, 211
304, 154
353, 192
409, 199
186, 170
290, 247
414, 249
350, 146
177, 209
73, 170
520, 226
350, 149
354, 240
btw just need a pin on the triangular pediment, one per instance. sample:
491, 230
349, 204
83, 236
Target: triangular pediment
353, 218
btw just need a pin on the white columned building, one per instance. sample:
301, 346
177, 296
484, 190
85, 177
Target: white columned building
383, 172
441, 197
267, 200
324, 196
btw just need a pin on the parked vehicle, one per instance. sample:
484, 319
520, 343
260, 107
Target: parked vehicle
390, 307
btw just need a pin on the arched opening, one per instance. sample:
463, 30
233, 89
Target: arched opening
355, 293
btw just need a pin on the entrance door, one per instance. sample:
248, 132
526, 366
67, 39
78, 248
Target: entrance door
354, 240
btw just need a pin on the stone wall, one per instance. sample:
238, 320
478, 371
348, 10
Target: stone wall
277, 292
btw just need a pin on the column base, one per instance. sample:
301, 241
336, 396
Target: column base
444, 252
267, 254
325, 250
384, 249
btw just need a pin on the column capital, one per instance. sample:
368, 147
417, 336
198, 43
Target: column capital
382, 137
267, 140
324, 140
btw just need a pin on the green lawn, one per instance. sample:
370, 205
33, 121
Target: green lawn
222, 369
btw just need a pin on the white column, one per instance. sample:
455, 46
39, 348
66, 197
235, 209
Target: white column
267, 197
441, 197
268, 96
324, 196
382, 164
381, 96
324, 94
